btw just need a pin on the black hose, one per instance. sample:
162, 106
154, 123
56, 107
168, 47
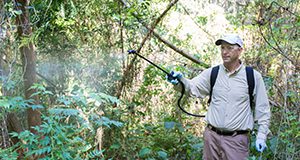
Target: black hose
179, 99
171, 77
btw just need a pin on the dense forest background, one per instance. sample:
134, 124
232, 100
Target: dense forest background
69, 90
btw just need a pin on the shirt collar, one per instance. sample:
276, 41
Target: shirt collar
235, 71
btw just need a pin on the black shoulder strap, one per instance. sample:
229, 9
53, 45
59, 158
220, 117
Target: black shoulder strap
251, 84
213, 77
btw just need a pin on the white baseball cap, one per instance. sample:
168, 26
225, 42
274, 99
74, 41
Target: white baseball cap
231, 39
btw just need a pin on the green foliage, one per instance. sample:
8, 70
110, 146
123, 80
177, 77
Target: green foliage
40, 90
11, 11
55, 139
79, 47
202, 20
8, 153
145, 152
66, 132
13, 104
163, 140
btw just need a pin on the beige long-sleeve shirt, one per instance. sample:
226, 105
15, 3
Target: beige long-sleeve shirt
230, 102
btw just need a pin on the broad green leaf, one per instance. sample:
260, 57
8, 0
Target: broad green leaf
144, 152
17, 12
197, 146
36, 106
169, 125
115, 146
202, 20
162, 154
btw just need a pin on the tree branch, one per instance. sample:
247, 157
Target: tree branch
40, 75
276, 49
180, 51
188, 13
171, 4
176, 49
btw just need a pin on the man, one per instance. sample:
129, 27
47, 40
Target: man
229, 117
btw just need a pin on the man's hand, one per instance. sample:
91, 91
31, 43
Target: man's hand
260, 145
173, 77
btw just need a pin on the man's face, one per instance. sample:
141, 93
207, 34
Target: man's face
230, 52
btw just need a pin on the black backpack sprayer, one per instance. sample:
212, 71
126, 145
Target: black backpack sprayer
170, 77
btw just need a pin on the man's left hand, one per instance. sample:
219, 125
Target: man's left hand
260, 145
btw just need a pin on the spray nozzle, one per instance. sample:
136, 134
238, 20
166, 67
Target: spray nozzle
131, 51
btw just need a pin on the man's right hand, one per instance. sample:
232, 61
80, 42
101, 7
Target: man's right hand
173, 77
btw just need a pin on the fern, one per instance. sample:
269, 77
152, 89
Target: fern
100, 98
40, 90
66, 132
19, 102
107, 122
42, 151
96, 154
104, 121
64, 111
9, 153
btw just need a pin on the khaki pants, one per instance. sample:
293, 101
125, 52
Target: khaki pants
220, 147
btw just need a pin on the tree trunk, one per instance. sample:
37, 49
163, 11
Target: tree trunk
9, 122
4, 138
28, 61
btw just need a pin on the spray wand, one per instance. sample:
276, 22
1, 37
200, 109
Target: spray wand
170, 77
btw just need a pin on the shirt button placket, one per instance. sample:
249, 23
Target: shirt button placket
228, 93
